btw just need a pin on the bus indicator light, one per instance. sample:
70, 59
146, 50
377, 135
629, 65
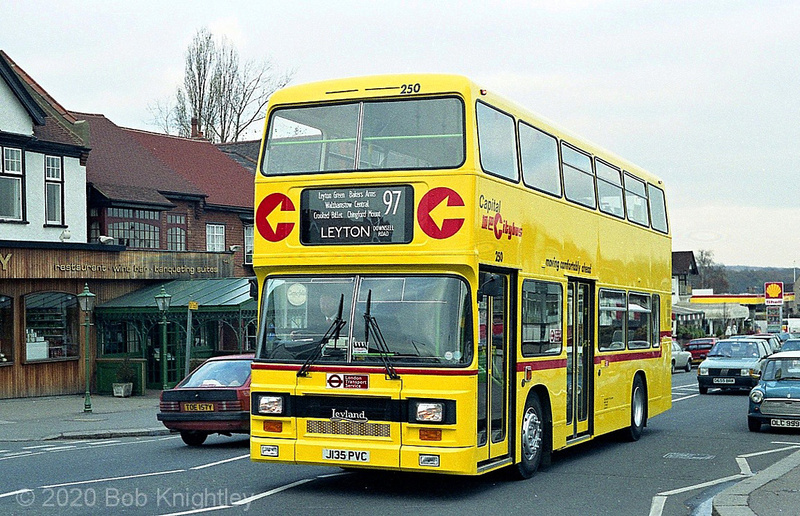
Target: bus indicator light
432, 205
265, 209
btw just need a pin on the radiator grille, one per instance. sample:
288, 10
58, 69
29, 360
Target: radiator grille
780, 407
348, 428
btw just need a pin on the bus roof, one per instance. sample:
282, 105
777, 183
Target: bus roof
382, 86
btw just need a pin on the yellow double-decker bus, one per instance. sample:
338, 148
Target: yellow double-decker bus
449, 283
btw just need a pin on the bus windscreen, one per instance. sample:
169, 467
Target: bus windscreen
405, 134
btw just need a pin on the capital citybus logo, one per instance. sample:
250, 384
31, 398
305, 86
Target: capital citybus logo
277, 230
773, 293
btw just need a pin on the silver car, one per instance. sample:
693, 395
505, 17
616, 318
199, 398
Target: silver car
680, 359
732, 364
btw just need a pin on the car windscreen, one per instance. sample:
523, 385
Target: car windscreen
736, 349
781, 369
219, 373
791, 345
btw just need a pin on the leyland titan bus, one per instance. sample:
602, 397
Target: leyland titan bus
449, 283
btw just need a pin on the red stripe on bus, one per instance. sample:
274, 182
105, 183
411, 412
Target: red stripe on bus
377, 369
624, 357
542, 365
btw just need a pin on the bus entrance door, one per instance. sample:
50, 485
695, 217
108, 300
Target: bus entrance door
493, 360
580, 358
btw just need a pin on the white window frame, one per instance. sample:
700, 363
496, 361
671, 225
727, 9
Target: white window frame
54, 190
11, 171
215, 238
248, 244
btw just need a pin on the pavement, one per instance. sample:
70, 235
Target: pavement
774, 491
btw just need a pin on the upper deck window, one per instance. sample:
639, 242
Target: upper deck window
498, 142
578, 176
405, 134
539, 153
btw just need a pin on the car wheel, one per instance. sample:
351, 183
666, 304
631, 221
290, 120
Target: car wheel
688, 366
754, 424
703, 390
638, 411
533, 444
194, 438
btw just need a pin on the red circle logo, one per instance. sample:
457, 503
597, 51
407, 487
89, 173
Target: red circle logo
265, 209
432, 207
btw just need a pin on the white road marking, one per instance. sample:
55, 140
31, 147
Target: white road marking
196, 511
14, 493
685, 397
109, 479
259, 496
221, 462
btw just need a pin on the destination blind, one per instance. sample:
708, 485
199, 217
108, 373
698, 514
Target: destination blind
357, 215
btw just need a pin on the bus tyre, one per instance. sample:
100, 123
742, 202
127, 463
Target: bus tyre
193, 438
638, 410
533, 449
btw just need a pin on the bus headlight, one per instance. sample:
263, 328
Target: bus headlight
270, 404
756, 396
430, 412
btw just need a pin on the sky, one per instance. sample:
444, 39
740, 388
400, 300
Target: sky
704, 94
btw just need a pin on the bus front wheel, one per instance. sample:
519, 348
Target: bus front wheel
532, 438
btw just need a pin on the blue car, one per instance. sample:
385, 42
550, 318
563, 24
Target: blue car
775, 400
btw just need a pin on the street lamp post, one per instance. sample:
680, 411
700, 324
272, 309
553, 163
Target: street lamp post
162, 301
86, 300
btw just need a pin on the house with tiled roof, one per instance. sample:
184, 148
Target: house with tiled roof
91, 210
245, 153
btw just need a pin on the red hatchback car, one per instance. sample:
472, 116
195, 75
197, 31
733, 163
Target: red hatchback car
699, 348
214, 398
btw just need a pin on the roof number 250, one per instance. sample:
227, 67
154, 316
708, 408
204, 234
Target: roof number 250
407, 89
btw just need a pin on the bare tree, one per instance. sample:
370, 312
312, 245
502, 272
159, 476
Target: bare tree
711, 274
224, 96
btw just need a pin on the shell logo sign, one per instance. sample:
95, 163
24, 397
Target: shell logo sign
773, 293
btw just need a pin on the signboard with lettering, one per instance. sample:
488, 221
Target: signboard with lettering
773, 293
357, 215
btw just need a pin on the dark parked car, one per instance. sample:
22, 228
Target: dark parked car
214, 398
732, 364
775, 401
699, 348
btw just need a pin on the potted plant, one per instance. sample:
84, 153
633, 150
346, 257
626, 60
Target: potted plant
126, 374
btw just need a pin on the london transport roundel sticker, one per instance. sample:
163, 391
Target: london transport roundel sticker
271, 203
433, 215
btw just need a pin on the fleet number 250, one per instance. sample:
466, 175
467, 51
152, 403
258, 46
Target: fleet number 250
410, 88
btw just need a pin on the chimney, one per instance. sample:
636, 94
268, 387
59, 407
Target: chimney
195, 132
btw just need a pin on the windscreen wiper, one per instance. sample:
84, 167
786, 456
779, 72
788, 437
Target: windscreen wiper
383, 350
332, 333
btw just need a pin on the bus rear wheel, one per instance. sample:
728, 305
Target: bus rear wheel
532, 438
638, 410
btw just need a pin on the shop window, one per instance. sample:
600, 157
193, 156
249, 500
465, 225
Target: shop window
6, 329
120, 338
138, 229
51, 326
